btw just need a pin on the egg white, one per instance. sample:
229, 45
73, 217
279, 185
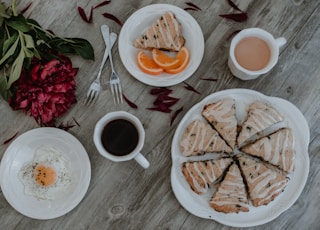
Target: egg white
49, 157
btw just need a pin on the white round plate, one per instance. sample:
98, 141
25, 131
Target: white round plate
143, 18
199, 204
21, 151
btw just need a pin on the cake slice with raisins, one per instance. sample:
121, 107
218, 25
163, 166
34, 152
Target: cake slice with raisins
165, 34
260, 117
264, 184
201, 174
200, 138
276, 149
222, 116
231, 195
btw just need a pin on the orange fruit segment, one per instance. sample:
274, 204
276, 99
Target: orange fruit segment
183, 56
147, 65
163, 60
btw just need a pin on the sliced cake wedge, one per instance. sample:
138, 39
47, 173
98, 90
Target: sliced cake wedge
201, 174
222, 116
165, 34
276, 149
260, 117
200, 138
231, 195
264, 184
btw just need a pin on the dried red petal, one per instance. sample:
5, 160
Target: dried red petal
83, 14
174, 116
102, 4
193, 6
233, 5
161, 108
190, 8
209, 79
10, 139
130, 103
26, 8
91, 15
77, 123
239, 17
189, 87
156, 91
112, 17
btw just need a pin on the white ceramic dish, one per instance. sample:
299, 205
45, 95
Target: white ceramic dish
199, 204
21, 152
138, 22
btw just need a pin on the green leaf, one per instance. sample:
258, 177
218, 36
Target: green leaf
5, 93
77, 46
9, 42
10, 51
29, 41
16, 69
18, 23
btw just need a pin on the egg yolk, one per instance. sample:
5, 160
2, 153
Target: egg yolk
44, 176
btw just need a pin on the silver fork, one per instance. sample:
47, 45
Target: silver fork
95, 87
115, 84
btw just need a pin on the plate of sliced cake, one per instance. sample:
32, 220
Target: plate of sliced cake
240, 157
164, 27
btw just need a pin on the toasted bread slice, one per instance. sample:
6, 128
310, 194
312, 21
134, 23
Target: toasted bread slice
222, 116
276, 149
260, 117
231, 195
200, 138
200, 174
165, 34
264, 184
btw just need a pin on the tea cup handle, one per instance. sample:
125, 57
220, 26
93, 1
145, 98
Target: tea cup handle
142, 161
281, 41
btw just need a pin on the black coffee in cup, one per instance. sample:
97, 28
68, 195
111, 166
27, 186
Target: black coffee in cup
120, 137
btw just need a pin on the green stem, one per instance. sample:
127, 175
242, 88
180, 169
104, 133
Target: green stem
13, 6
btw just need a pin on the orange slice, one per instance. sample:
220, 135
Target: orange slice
163, 60
183, 56
147, 65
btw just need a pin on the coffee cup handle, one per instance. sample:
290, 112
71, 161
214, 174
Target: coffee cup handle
281, 41
142, 161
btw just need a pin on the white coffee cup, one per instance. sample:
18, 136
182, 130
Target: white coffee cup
135, 153
274, 44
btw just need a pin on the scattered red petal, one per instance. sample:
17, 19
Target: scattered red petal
65, 127
209, 79
102, 4
161, 108
112, 17
83, 14
10, 139
77, 123
195, 7
233, 34
189, 8
130, 103
174, 116
91, 15
189, 87
239, 17
26, 8
156, 91
234, 6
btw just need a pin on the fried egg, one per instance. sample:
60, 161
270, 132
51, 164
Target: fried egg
47, 176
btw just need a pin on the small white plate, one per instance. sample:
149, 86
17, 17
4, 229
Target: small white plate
199, 204
143, 18
21, 151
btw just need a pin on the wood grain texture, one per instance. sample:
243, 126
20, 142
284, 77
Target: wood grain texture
123, 195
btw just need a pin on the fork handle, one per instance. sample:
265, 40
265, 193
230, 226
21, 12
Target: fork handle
113, 38
106, 35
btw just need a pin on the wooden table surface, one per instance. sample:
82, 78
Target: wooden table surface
124, 195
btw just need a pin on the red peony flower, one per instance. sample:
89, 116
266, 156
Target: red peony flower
47, 91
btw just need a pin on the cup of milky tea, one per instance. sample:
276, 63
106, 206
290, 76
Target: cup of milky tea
253, 52
119, 136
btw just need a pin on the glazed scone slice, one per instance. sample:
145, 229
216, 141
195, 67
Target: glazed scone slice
222, 116
264, 184
165, 33
201, 174
200, 138
231, 195
261, 116
277, 149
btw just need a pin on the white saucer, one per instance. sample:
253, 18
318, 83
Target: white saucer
138, 22
21, 152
